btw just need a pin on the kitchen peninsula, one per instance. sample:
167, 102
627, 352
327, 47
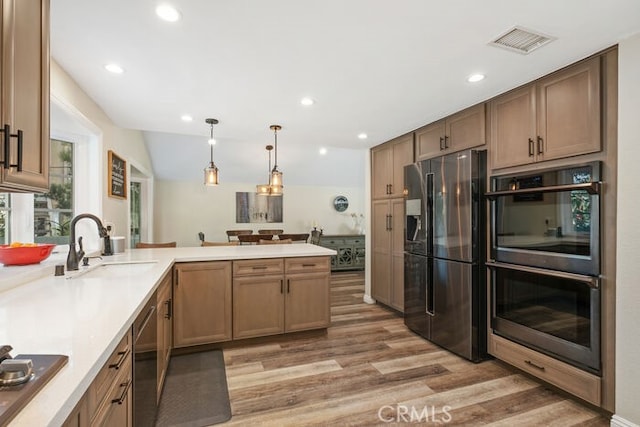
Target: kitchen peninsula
88, 315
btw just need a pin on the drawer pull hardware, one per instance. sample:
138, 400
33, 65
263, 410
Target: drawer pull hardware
123, 355
308, 265
530, 363
123, 396
259, 267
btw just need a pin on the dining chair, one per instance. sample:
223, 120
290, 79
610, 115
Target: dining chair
272, 232
299, 237
274, 242
254, 238
236, 233
143, 245
206, 243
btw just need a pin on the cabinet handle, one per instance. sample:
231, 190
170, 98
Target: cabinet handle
530, 147
308, 265
446, 145
441, 143
6, 162
259, 267
123, 396
390, 223
169, 306
123, 355
540, 141
281, 286
390, 188
288, 285
530, 363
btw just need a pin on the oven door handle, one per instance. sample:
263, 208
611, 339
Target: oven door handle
589, 187
591, 281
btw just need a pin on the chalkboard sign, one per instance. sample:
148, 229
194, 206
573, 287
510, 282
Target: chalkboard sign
117, 176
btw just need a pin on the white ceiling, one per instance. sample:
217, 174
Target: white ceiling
383, 67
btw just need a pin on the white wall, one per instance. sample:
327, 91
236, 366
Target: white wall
628, 245
183, 208
128, 144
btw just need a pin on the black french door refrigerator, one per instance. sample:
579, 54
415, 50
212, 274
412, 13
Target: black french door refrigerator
445, 239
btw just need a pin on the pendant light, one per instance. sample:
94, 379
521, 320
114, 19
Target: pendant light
276, 175
211, 171
265, 189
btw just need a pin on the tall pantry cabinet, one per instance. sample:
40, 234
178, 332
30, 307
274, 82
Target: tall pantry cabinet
24, 104
387, 208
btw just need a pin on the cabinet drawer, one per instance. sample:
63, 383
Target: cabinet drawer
116, 405
306, 264
332, 242
119, 361
258, 267
569, 378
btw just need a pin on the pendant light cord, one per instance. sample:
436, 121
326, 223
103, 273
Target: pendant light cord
275, 160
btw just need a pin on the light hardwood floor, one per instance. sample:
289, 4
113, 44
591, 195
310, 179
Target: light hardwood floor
369, 369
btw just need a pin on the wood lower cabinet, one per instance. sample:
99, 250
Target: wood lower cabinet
294, 296
460, 131
387, 166
557, 116
24, 106
165, 329
350, 250
569, 378
202, 303
387, 277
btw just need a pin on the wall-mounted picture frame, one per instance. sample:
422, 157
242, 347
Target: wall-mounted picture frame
117, 176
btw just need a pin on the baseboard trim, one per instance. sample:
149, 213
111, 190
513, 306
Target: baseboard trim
367, 299
618, 421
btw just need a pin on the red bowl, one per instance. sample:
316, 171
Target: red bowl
24, 255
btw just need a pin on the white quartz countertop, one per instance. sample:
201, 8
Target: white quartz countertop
85, 317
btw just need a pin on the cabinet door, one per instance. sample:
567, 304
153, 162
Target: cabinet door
513, 128
258, 306
164, 302
381, 247
430, 140
117, 407
402, 156
307, 302
568, 105
397, 255
25, 91
466, 129
381, 171
202, 303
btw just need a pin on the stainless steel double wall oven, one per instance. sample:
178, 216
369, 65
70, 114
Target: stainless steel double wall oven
545, 261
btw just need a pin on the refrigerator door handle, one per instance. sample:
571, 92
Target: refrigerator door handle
429, 213
430, 309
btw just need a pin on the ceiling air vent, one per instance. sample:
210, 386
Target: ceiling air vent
521, 40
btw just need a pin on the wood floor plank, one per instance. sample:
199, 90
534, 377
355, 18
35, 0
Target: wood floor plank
256, 378
560, 414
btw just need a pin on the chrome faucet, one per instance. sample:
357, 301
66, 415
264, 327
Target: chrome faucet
74, 256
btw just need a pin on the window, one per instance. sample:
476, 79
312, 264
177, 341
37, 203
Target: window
5, 211
53, 211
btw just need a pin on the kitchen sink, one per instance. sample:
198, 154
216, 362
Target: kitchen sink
112, 270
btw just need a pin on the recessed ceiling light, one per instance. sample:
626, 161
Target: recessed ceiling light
307, 101
114, 68
167, 13
186, 118
322, 151
362, 135
474, 78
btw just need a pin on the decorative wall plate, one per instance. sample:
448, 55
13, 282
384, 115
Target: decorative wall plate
340, 203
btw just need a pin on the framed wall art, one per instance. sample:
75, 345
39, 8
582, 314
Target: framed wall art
117, 176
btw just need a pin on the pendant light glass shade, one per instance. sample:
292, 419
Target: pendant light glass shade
276, 175
211, 171
265, 189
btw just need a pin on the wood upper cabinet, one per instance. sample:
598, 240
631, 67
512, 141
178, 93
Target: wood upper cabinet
387, 166
295, 298
202, 303
460, 131
387, 276
555, 117
24, 83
